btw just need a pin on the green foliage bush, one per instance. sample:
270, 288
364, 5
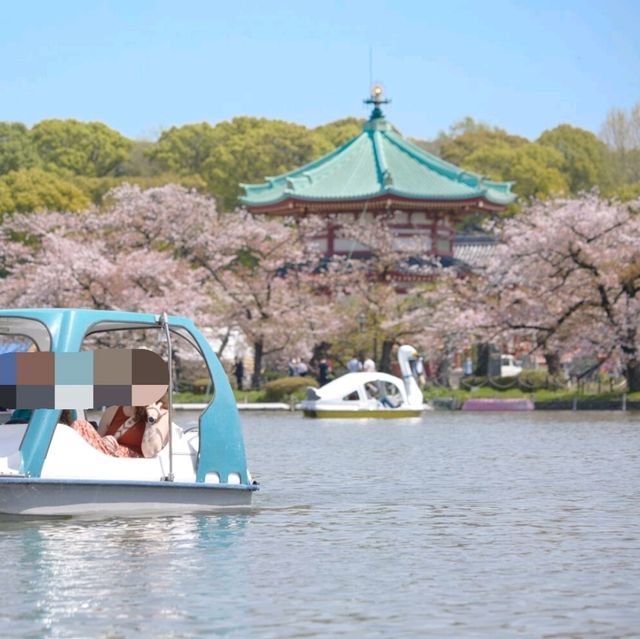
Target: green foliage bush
29, 190
281, 389
532, 380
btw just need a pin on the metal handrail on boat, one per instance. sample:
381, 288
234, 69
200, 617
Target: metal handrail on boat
164, 323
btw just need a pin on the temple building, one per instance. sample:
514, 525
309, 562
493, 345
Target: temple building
379, 171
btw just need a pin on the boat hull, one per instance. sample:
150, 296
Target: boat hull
393, 413
58, 497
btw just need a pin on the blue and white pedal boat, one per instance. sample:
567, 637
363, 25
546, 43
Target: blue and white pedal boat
47, 468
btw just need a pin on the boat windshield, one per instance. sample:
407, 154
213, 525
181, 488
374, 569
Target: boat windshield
391, 391
384, 391
22, 334
192, 380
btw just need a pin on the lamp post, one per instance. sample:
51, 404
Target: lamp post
361, 318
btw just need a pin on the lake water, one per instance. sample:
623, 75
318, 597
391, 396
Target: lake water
456, 525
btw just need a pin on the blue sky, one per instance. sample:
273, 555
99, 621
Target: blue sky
143, 65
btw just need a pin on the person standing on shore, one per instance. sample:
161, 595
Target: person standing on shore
369, 366
324, 370
354, 365
238, 371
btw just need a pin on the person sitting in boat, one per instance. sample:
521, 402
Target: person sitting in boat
376, 391
386, 401
129, 431
372, 390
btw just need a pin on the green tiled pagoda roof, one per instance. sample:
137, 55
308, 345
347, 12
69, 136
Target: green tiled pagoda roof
378, 163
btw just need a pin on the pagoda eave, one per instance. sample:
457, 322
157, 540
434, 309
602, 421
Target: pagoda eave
385, 202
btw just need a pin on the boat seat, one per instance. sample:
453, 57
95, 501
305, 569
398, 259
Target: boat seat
70, 456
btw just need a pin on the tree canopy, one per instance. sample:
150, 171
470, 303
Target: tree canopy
16, 150
30, 190
217, 158
467, 137
244, 150
568, 272
82, 148
167, 248
341, 131
184, 149
584, 157
250, 149
535, 169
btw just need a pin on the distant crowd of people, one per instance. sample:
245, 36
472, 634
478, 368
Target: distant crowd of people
361, 364
298, 367
323, 368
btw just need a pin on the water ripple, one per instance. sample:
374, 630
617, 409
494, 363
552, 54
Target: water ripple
459, 526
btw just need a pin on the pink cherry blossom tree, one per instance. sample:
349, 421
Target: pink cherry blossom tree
272, 286
168, 249
387, 281
569, 271
260, 273
566, 276
56, 259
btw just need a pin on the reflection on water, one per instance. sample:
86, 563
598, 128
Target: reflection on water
121, 573
459, 525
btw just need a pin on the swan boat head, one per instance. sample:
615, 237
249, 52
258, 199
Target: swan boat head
406, 355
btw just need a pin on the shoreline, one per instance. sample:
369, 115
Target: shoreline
450, 403
574, 404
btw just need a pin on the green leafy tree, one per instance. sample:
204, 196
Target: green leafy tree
628, 192
584, 156
250, 149
245, 149
6, 199
138, 162
82, 148
184, 149
336, 133
535, 169
468, 136
16, 150
31, 190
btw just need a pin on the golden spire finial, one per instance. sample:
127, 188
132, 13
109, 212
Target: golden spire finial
376, 99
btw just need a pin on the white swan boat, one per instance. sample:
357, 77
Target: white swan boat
366, 395
47, 468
